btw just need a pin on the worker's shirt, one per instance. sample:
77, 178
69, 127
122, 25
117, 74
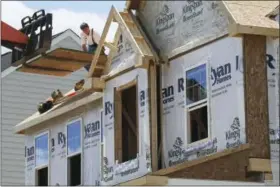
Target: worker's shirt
91, 38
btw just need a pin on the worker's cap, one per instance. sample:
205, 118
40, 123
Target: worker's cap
83, 25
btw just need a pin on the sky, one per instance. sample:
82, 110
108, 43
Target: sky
66, 14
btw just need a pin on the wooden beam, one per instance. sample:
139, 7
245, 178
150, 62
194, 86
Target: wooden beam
147, 181
118, 125
101, 42
236, 29
111, 46
129, 120
259, 165
97, 83
153, 116
127, 85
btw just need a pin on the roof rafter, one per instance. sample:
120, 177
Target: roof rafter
129, 29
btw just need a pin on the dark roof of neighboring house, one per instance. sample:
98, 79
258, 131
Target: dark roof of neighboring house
6, 58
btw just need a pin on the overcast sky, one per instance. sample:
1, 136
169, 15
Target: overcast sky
66, 14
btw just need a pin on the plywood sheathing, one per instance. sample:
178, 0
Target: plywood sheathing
59, 62
249, 17
128, 28
229, 164
256, 95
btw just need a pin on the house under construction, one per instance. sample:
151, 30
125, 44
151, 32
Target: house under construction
189, 90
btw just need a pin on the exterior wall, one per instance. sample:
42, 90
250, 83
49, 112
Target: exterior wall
273, 103
225, 92
117, 173
177, 26
20, 95
91, 164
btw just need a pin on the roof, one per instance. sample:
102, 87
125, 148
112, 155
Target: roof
58, 110
247, 17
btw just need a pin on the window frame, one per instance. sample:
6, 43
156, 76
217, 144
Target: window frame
118, 117
47, 165
81, 152
197, 105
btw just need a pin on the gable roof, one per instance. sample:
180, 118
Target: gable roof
246, 17
134, 36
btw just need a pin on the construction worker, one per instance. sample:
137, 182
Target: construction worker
90, 39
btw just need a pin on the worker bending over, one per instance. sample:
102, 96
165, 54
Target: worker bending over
90, 39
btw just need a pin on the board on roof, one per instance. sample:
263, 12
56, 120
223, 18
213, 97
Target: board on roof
60, 62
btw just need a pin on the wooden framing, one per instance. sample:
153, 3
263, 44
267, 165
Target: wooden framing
259, 165
147, 181
58, 62
118, 111
153, 116
126, 26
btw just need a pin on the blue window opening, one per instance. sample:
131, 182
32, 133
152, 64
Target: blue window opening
42, 150
74, 137
196, 85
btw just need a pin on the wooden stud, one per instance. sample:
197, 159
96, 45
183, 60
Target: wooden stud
259, 165
153, 116
118, 125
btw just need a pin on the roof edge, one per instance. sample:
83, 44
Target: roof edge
30, 123
237, 29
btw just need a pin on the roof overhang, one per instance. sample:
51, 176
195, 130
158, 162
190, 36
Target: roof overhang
71, 104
